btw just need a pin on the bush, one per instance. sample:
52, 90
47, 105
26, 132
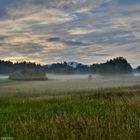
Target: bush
28, 75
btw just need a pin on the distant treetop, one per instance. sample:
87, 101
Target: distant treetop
117, 65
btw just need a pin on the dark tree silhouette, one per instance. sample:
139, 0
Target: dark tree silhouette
138, 69
114, 66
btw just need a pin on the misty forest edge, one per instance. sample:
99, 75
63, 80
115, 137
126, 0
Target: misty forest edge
117, 65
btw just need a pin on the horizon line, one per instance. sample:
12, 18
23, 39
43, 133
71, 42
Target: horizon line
43, 64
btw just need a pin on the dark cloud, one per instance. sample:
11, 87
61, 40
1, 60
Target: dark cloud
3, 37
68, 42
101, 54
29, 49
43, 3
26, 48
75, 43
54, 39
117, 36
3, 13
128, 1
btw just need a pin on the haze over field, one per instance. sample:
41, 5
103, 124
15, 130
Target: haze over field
66, 83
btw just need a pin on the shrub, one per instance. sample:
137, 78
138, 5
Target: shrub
28, 75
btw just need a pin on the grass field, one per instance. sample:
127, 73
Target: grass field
51, 111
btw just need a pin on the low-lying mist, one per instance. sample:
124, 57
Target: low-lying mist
57, 83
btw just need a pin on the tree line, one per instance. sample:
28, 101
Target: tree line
114, 66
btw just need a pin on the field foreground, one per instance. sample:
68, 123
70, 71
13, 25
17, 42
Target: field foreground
97, 114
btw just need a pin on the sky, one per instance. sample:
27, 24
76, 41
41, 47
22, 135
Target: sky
86, 31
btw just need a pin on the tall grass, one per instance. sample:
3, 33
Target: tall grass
96, 116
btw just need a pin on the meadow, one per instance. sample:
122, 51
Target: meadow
71, 108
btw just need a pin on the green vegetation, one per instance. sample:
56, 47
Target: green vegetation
99, 114
114, 66
28, 75
117, 65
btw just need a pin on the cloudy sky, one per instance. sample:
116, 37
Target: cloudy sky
87, 31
